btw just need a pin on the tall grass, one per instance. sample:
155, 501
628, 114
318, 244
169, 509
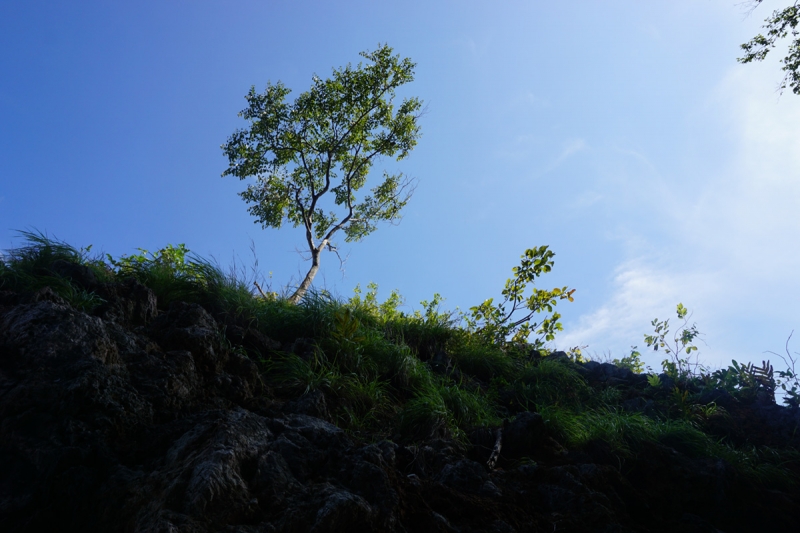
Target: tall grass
425, 416
35, 266
482, 361
467, 408
546, 382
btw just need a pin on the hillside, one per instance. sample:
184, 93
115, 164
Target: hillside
157, 393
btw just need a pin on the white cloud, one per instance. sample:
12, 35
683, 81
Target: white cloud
731, 253
569, 148
478, 49
641, 292
519, 148
748, 213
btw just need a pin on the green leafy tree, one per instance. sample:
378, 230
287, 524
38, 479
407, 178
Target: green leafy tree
778, 27
319, 150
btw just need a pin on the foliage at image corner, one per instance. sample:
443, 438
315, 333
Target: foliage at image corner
780, 25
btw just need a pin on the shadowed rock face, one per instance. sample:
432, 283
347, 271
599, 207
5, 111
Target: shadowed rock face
133, 421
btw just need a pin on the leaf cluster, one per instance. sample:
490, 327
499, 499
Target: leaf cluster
779, 26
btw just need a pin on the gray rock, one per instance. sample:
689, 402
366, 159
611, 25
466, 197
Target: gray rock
523, 435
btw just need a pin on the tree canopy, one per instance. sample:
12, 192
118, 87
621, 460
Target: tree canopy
320, 149
779, 26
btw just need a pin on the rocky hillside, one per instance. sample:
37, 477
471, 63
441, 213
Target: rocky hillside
132, 414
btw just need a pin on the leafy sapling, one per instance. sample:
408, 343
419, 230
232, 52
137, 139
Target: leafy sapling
679, 348
170, 257
497, 322
632, 362
383, 312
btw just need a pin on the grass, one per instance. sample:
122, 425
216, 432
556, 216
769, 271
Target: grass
545, 383
425, 416
467, 408
372, 361
481, 361
35, 266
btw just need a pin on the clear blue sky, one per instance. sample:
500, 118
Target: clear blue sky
623, 134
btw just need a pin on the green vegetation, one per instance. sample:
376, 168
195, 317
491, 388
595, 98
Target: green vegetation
385, 373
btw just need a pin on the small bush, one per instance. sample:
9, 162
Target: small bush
426, 332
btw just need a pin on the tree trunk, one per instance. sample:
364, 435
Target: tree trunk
304, 286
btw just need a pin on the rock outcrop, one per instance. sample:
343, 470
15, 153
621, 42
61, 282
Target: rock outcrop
130, 420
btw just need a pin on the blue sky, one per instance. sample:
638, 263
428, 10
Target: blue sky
622, 134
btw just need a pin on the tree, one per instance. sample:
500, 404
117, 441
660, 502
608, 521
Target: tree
778, 27
321, 148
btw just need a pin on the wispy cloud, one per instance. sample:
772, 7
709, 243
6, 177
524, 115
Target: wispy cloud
476, 48
731, 251
570, 148
523, 100
642, 291
523, 146
748, 212
587, 199
519, 148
